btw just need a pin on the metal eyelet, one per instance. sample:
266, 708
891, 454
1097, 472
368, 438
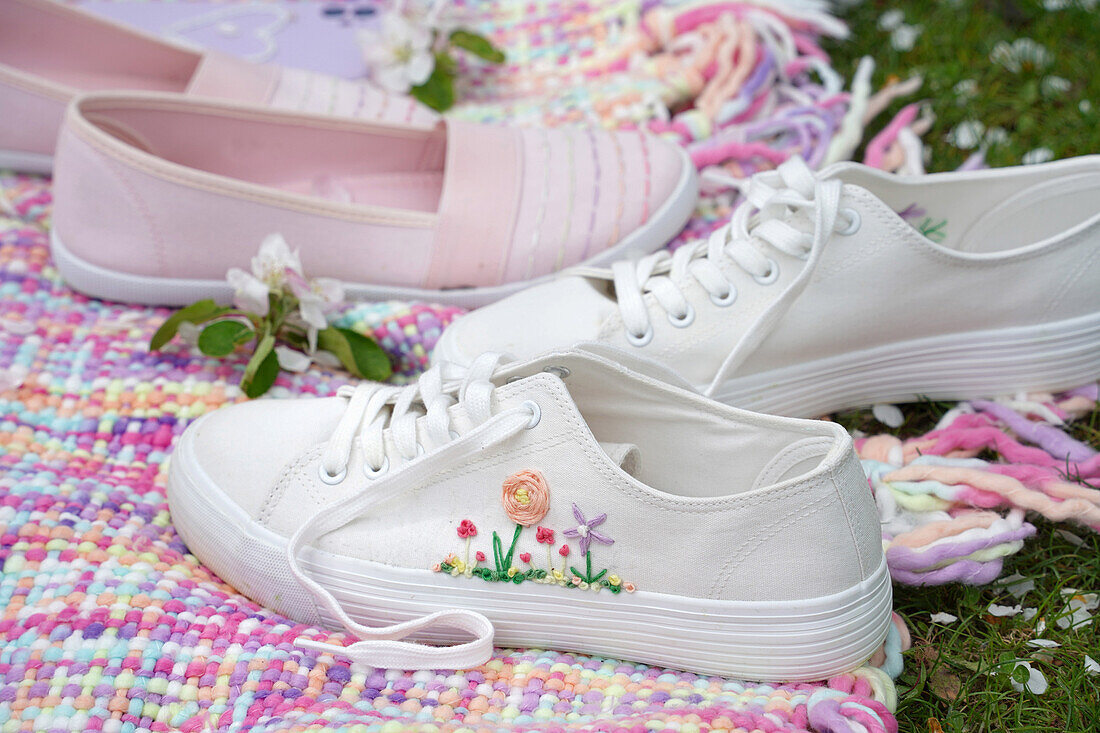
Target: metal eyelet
771, 275
854, 222
683, 321
558, 371
536, 412
371, 472
642, 340
725, 300
329, 479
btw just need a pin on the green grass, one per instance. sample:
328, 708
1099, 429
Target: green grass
955, 676
955, 46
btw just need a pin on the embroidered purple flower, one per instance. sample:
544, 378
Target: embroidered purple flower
585, 531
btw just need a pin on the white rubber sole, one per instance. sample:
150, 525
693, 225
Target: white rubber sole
964, 366
26, 162
788, 640
100, 282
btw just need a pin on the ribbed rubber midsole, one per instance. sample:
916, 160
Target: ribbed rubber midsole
1043, 357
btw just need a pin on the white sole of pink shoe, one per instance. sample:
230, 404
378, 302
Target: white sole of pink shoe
21, 162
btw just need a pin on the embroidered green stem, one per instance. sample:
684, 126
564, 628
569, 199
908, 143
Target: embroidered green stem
587, 577
504, 562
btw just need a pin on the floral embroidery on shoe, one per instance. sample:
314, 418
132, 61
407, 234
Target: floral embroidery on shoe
525, 496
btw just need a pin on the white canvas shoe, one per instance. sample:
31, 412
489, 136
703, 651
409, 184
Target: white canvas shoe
847, 287
568, 502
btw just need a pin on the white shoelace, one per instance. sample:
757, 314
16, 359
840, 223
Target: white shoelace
762, 221
375, 405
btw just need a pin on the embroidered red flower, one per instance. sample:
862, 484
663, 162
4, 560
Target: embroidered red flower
525, 556
526, 497
480, 556
466, 528
544, 535
564, 551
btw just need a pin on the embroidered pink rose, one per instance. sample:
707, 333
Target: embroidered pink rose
526, 497
544, 535
466, 528
525, 556
480, 556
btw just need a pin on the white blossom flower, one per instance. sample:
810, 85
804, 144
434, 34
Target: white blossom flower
996, 136
1038, 155
249, 292
891, 19
1091, 666
399, 54
274, 261
1020, 54
291, 360
966, 134
905, 36
1052, 86
1036, 681
315, 297
1085, 106
888, 415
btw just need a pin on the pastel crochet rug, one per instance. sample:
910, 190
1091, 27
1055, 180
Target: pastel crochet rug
109, 624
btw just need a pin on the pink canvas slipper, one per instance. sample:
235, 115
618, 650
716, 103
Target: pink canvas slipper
50, 52
157, 195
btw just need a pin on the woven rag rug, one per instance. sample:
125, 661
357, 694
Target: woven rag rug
110, 624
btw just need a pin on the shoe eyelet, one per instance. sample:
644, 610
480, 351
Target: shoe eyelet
771, 275
371, 472
725, 300
558, 371
536, 412
328, 478
642, 340
854, 222
685, 321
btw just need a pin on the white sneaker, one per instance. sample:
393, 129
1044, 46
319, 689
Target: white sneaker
847, 287
695, 535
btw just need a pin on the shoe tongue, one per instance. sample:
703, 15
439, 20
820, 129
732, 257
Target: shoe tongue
624, 455
225, 77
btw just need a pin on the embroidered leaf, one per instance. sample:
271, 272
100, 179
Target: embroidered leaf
498, 554
598, 576
220, 338
438, 92
479, 46
200, 312
360, 355
262, 368
512, 549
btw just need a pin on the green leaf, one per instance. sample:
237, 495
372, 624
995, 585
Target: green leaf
479, 46
200, 312
438, 92
360, 355
220, 338
262, 368
446, 63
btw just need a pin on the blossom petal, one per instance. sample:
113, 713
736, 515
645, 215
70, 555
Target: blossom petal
249, 293
291, 360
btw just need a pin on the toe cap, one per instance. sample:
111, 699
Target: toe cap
244, 449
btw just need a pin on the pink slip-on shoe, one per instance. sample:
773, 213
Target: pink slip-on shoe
157, 195
50, 52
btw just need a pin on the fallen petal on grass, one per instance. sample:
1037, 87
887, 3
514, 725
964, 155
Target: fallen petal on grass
1004, 611
943, 618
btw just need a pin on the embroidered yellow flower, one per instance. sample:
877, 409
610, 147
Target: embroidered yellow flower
614, 579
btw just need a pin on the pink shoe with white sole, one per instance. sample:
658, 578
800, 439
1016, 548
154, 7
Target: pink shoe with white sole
157, 195
50, 52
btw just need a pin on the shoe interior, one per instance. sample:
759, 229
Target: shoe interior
692, 447
392, 167
79, 51
992, 212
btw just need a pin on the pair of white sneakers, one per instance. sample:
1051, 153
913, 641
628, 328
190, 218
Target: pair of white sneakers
601, 493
